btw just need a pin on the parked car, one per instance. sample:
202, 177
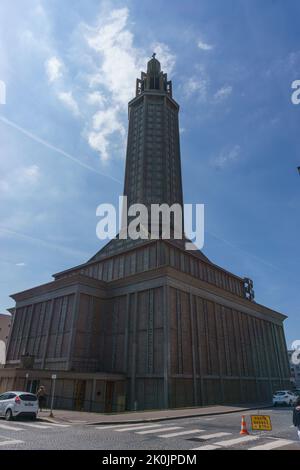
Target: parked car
18, 404
284, 397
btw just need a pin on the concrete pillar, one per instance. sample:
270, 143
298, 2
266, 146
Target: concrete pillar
48, 334
166, 336
133, 359
193, 332
75, 314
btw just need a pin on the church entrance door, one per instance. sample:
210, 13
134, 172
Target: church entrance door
79, 394
109, 397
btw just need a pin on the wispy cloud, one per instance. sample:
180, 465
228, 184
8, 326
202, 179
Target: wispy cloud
53, 68
30, 174
67, 98
37, 139
118, 59
117, 64
246, 252
7, 232
165, 56
105, 123
227, 157
19, 180
196, 86
223, 93
96, 99
204, 46
114, 63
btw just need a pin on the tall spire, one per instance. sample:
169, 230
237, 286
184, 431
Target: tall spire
153, 168
154, 79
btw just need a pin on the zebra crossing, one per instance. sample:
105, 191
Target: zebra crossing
19, 426
175, 435
219, 440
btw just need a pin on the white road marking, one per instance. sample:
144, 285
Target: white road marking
181, 433
10, 428
208, 447
272, 445
57, 425
37, 426
139, 428
11, 442
152, 431
120, 426
215, 435
238, 440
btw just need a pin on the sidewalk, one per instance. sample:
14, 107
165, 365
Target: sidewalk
82, 417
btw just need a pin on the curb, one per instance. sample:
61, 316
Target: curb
168, 418
153, 420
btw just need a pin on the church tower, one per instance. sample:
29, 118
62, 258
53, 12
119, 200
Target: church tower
153, 167
147, 324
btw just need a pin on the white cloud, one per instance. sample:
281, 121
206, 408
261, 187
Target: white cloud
58, 150
96, 98
223, 93
105, 124
21, 180
119, 61
117, 65
12, 233
66, 97
196, 85
20, 264
106, 54
53, 68
227, 156
30, 174
204, 46
165, 56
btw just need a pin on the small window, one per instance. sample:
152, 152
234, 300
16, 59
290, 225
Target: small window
10, 396
7, 396
28, 397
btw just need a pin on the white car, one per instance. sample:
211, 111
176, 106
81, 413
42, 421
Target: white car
18, 404
284, 397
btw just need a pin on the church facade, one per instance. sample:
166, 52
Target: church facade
145, 323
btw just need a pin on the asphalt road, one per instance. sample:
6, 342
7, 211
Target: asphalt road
207, 433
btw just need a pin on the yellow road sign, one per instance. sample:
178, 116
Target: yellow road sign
261, 423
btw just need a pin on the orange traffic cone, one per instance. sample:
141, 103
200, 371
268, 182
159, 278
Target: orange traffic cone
244, 430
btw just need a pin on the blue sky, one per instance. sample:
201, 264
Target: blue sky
70, 69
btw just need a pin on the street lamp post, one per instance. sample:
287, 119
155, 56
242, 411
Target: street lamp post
53, 393
26, 381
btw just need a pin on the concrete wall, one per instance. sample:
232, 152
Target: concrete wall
179, 341
43, 330
89, 334
156, 254
219, 354
203, 353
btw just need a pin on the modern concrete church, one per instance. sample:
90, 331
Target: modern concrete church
147, 324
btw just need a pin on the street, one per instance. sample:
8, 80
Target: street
197, 433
